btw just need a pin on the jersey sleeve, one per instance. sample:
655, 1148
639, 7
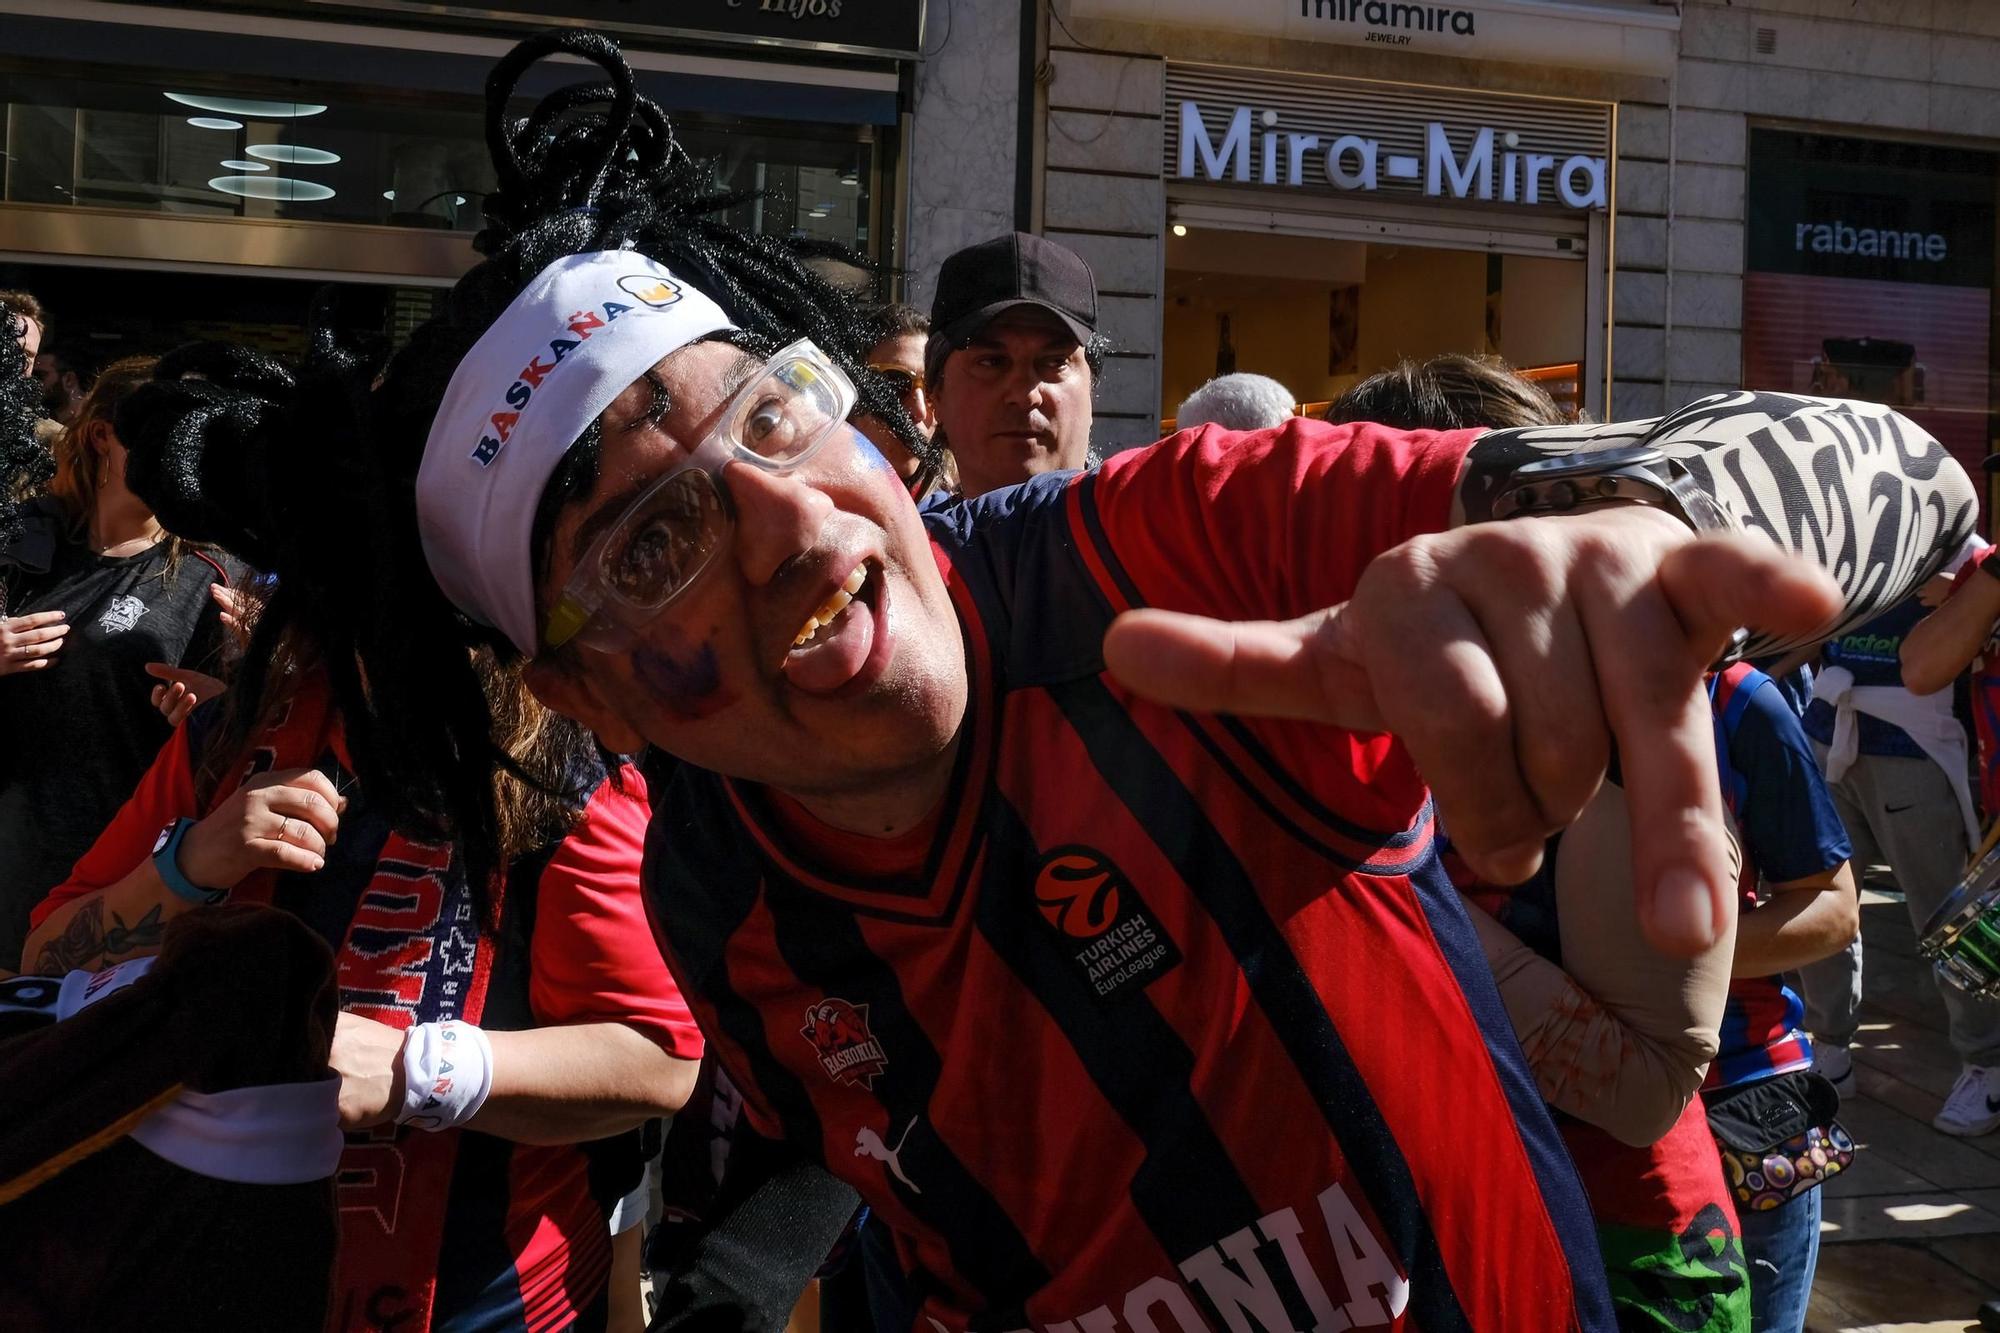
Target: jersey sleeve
1273, 523
1790, 827
164, 794
593, 958
1971, 567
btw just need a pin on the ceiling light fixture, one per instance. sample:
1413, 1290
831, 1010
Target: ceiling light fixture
247, 106
295, 154
235, 165
214, 123
1180, 229
281, 188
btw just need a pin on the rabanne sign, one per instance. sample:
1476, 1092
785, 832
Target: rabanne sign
1491, 167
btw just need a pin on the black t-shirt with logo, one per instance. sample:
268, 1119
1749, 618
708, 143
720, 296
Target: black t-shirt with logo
76, 737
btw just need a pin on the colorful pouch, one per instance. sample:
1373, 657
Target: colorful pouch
1779, 1138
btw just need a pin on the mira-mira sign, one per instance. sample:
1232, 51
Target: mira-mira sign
1486, 165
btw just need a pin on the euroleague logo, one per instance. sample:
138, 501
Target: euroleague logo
1078, 892
845, 1044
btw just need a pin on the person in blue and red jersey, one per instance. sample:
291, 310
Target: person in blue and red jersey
1800, 905
1897, 763
1121, 1003
502, 1003
1962, 636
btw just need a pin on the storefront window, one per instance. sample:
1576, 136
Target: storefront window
1870, 275
343, 154
1318, 315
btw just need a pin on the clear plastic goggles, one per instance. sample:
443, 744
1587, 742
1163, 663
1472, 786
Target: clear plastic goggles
667, 537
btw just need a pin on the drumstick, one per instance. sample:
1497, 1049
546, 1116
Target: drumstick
1992, 837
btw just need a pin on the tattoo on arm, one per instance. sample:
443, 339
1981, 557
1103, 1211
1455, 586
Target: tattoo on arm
1856, 488
87, 943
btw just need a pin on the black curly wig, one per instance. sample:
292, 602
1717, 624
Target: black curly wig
312, 476
25, 463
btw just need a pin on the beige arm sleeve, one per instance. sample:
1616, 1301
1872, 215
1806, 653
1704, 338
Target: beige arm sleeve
1620, 1036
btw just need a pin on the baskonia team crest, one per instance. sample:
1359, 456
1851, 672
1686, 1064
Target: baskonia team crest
847, 1048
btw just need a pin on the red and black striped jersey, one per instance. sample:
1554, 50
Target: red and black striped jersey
1171, 1021
458, 1232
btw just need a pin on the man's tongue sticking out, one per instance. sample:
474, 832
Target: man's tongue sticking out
831, 651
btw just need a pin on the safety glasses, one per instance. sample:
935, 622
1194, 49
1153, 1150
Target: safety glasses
670, 535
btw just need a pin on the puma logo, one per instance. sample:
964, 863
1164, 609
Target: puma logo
867, 1143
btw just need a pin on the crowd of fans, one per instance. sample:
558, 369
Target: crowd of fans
255, 656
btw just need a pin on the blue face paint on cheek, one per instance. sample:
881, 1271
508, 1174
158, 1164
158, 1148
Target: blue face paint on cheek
683, 676
870, 455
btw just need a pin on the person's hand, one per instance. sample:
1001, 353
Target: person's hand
1506, 657
29, 643
368, 1056
238, 609
180, 690
275, 821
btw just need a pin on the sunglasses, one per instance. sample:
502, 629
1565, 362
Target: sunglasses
671, 534
904, 382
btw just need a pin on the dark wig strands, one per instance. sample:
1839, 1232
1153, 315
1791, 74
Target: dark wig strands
596, 166
271, 468
317, 482
25, 464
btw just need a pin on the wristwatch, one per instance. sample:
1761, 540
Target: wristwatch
1632, 474
167, 860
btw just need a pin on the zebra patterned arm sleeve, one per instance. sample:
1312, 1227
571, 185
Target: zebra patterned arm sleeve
1856, 488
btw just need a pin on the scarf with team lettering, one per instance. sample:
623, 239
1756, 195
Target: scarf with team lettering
411, 952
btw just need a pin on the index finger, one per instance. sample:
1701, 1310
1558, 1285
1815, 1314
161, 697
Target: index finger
1717, 584
35, 620
1653, 644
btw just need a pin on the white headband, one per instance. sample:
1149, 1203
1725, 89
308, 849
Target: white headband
576, 338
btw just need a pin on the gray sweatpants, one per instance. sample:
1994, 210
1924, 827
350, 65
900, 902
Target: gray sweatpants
1902, 812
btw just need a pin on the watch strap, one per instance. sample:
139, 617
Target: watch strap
1615, 477
167, 861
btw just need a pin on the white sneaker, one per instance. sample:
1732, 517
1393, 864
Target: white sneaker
1835, 1065
1974, 1105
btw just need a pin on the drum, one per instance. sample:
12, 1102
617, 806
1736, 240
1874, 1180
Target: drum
1962, 939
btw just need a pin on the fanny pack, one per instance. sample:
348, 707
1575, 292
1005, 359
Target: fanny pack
1779, 1138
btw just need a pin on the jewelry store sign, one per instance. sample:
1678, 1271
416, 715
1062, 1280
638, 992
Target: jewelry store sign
1345, 137
1619, 36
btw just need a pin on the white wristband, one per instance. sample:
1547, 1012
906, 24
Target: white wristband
447, 1072
80, 990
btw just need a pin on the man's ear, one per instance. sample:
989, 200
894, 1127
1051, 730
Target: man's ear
574, 694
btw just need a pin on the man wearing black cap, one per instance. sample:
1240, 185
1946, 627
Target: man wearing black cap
1013, 356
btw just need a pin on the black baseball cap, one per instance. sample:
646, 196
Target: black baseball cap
1019, 268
